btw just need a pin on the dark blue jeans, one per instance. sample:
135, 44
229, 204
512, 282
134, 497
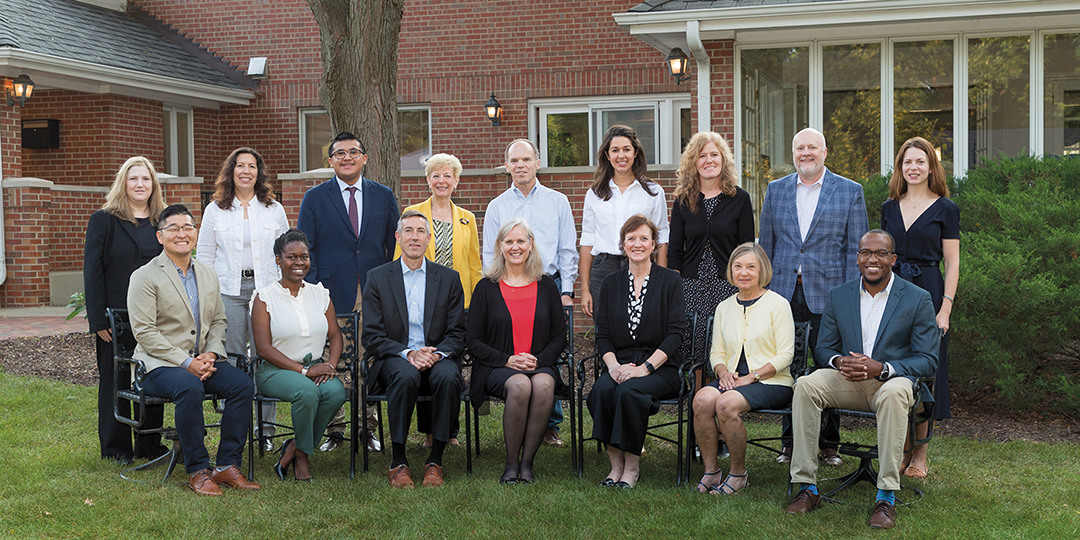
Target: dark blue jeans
186, 392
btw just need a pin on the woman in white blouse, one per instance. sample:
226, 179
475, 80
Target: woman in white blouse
237, 238
752, 346
620, 189
292, 321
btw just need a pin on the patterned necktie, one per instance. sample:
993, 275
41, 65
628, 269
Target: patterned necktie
354, 214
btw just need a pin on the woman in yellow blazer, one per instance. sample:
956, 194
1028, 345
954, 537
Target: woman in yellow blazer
752, 347
454, 244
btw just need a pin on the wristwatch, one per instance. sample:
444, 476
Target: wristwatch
570, 294
304, 371
649, 367
757, 376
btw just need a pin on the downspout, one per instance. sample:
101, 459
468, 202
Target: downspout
3, 252
704, 75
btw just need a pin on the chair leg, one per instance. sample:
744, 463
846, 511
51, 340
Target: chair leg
353, 434
865, 473
468, 440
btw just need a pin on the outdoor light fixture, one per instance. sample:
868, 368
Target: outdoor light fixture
494, 110
678, 64
21, 89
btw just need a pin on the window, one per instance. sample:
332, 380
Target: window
1061, 89
414, 137
851, 108
923, 95
179, 143
998, 99
570, 130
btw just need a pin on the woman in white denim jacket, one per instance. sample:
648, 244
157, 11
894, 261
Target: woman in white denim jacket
237, 239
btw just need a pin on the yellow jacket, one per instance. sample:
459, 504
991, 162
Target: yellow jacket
766, 330
466, 246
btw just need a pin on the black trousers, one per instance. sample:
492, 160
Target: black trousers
830, 423
621, 412
115, 437
403, 383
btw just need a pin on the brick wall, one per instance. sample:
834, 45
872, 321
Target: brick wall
10, 139
97, 134
71, 211
27, 220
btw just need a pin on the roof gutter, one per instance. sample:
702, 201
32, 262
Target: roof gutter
67, 74
704, 75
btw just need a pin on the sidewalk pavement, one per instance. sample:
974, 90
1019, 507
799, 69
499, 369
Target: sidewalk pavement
38, 321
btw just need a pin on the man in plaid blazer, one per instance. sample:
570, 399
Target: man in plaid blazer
810, 227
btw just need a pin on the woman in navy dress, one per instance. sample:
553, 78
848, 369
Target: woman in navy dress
925, 224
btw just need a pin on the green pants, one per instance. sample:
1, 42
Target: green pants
312, 406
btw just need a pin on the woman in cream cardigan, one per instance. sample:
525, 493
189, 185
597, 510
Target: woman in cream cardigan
752, 347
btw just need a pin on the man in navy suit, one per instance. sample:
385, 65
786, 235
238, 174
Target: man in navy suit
349, 221
810, 226
878, 334
414, 330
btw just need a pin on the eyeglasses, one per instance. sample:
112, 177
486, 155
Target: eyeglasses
173, 229
353, 153
881, 253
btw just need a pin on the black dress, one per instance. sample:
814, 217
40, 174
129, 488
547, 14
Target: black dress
918, 254
114, 249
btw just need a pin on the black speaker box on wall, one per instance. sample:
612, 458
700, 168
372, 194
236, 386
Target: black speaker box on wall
42, 133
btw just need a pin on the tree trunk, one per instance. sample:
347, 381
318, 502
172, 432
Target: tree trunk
359, 81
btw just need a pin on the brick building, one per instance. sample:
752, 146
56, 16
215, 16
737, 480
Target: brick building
168, 79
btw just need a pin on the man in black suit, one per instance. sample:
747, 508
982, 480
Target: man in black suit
414, 330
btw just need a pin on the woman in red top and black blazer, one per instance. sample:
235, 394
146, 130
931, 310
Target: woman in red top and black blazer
640, 318
515, 333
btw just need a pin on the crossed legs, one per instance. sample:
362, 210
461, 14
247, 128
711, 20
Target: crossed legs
717, 412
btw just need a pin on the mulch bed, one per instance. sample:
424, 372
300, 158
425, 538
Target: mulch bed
70, 358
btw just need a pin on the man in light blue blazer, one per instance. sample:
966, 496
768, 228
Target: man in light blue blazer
810, 225
878, 335
350, 223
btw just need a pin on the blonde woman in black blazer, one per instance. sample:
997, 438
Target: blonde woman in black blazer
638, 335
120, 238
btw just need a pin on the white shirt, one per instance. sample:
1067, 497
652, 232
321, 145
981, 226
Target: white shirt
298, 323
415, 289
871, 308
345, 195
221, 242
602, 220
806, 199
548, 213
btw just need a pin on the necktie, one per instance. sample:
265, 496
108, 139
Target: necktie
354, 214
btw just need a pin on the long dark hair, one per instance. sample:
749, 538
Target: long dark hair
225, 189
606, 171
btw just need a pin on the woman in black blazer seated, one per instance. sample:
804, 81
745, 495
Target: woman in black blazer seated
639, 317
120, 238
515, 333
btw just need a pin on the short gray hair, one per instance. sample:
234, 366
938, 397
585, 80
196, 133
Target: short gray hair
411, 213
438, 161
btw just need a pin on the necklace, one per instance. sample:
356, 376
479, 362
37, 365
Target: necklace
518, 282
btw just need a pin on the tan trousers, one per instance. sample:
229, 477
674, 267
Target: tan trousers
890, 400
337, 424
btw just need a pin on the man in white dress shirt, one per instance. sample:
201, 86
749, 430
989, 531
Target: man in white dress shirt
548, 213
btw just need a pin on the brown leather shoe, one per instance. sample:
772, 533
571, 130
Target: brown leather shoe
831, 458
399, 477
433, 476
231, 477
883, 516
804, 502
551, 438
202, 484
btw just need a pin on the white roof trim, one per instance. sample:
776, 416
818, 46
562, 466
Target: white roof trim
724, 21
66, 74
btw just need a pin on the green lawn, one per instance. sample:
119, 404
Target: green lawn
52, 485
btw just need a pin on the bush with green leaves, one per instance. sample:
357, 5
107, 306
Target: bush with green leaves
1015, 327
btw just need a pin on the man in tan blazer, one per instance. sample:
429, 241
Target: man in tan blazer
181, 351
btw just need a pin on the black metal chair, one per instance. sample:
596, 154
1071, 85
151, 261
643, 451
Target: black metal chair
567, 394
125, 365
920, 412
348, 325
681, 442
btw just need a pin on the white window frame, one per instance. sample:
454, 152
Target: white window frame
173, 165
1036, 122
666, 107
302, 119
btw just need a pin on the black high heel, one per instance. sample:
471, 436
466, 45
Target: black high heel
280, 470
